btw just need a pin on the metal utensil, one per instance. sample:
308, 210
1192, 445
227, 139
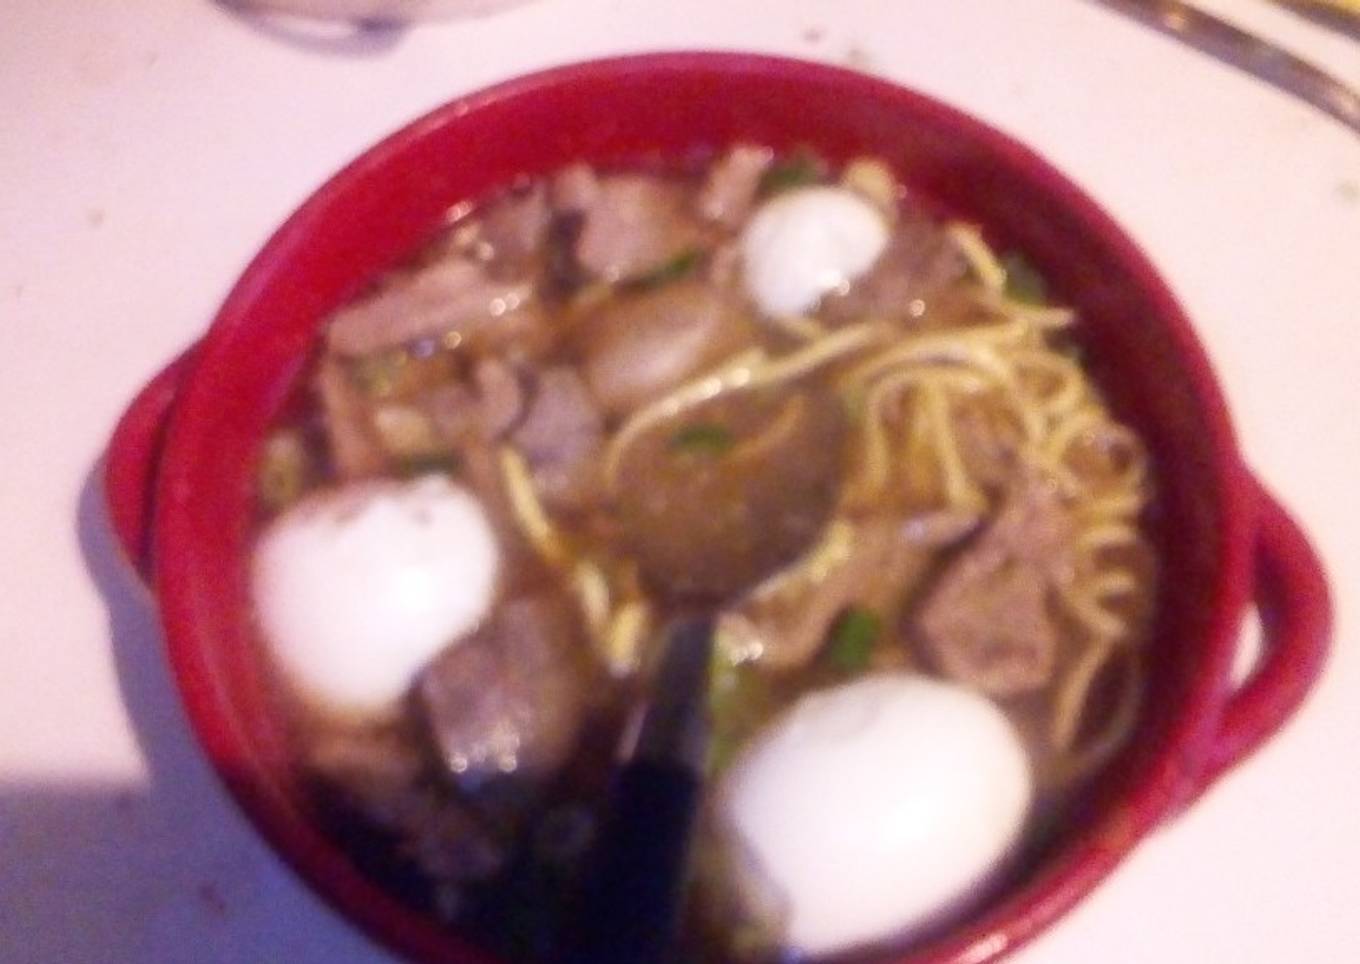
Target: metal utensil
629, 912
1246, 51
1342, 16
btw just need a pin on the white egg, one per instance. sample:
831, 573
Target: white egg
356, 589
804, 243
879, 806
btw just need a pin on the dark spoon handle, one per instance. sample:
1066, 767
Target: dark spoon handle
629, 911
630, 907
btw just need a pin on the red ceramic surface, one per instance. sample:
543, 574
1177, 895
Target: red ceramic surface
1225, 543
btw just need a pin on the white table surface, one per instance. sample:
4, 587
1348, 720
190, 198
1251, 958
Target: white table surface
147, 149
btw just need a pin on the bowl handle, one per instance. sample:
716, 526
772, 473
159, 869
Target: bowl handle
132, 461
1295, 608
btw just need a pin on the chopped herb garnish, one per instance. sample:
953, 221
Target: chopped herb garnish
672, 270
1023, 281
852, 639
799, 169
706, 438
446, 463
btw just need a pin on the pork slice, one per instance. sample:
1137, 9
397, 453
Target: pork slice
986, 621
1033, 527
884, 559
574, 189
990, 450
384, 777
919, 261
993, 633
725, 265
508, 699
500, 397
484, 410
450, 298
560, 437
729, 191
454, 411
515, 227
354, 449
633, 225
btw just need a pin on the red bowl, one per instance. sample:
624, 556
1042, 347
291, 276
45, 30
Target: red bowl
178, 472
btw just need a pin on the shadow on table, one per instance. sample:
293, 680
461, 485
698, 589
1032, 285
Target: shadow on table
160, 868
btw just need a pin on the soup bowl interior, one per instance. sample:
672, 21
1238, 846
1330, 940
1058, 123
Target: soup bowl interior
671, 108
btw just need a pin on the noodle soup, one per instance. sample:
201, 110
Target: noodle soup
770, 389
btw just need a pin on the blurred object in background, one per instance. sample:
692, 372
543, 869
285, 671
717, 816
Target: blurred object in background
1350, 6
1341, 15
374, 11
1244, 50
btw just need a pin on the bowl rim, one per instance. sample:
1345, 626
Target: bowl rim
1082, 862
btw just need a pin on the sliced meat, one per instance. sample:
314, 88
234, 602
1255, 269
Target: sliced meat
454, 411
354, 448
500, 397
729, 192
560, 437
712, 505
574, 189
986, 622
384, 777
640, 346
875, 564
724, 265
919, 261
989, 442
633, 224
1033, 527
515, 227
450, 298
993, 633
484, 411
508, 699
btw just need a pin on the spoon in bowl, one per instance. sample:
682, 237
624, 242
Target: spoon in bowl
629, 911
